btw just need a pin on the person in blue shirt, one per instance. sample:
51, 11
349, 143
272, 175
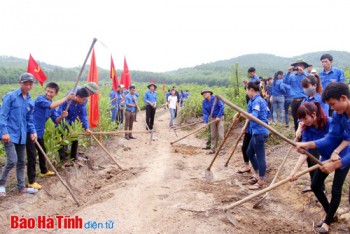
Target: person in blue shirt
186, 95
217, 127
44, 109
137, 97
277, 92
167, 94
315, 126
313, 90
257, 107
150, 98
330, 74
16, 120
337, 96
120, 103
181, 94
130, 111
296, 89
287, 102
76, 109
114, 105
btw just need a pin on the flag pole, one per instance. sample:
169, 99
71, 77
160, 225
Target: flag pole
81, 70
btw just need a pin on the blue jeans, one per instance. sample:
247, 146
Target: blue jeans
172, 116
287, 103
256, 153
15, 157
277, 103
114, 112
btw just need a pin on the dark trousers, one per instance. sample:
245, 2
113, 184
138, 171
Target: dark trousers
31, 158
150, 113
294, 107
129, 121
120, 115
246, 140
317, 182
73, 151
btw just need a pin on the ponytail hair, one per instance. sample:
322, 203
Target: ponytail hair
313, 80
308, 108
255, 85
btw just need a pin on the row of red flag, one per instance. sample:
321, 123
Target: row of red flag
40, 76
94, 114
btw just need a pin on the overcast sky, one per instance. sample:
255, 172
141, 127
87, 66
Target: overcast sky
162, 35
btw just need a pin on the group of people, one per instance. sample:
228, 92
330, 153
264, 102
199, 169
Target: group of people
320, 106
22, 127
175, 100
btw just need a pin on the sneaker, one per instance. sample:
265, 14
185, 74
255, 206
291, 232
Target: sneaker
35, 185
48, 173
131, 137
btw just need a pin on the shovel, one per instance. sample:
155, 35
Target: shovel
107, 152
187, 125
256, 205
234, 148
208, 174
193, 132
272, 186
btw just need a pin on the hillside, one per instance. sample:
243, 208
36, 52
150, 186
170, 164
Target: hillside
215, 73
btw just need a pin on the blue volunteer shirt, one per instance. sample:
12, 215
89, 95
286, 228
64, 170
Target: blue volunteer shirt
318, 98
186, 95
42, 112
151, 97
339, 130
277, 88
312, 134
258, 108
287, 95
16, 116
334, 75
129, 99
255, 78
207, 106
112, 95
74, 111
296, 90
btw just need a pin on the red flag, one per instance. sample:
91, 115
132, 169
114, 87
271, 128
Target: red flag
36, 70
113, 75
153, 81
94, 114
125, 77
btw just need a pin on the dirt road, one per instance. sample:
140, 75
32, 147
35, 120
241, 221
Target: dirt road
163, 190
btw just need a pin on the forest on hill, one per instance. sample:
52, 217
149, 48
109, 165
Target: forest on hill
216, 73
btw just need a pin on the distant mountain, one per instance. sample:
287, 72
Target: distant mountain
215, 73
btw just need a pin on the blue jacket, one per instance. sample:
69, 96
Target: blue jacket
207, 106
74, 111
151, 97
129, 100
334, 75
42, 112
112, 95
339, 130
255, 78
318, 98
16, 116
287, 95
296, 90
277, 88
313, 134
258, 108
